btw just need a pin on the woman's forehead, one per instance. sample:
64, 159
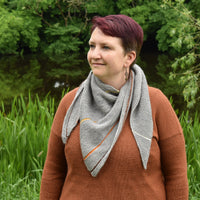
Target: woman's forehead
98, 36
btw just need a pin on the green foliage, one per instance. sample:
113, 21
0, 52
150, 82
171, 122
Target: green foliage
191, 129
35, 6
124, 4
17, 31
59, 22
23, 145
29, 36
98, 7
15, 82
39, 74
24, 136
20, 146
9, 35
194, 6
178, 34
60, 29
147, 15
62, 40
184, 33
63, 43
164, 67
17, 188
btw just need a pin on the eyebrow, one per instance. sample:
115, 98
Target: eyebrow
102, 44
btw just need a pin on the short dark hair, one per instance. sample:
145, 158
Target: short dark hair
123, 27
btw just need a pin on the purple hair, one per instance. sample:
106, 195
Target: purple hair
123, 27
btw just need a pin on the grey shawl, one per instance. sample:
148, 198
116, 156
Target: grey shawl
102, 111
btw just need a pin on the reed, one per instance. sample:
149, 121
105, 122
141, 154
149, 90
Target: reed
191, 129
24, 137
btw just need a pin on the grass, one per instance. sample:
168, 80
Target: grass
191, 129
24, 136
18, 188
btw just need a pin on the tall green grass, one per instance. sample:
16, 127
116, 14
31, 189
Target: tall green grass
191, 129
24, 133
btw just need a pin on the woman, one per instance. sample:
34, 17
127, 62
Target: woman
115, 137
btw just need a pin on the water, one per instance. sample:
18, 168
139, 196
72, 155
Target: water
37, 73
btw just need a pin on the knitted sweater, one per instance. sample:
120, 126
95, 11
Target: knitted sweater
123, 177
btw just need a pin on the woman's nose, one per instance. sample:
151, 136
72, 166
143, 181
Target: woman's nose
96, 53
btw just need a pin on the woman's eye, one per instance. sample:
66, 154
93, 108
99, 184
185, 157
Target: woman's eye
91, 46
106, 47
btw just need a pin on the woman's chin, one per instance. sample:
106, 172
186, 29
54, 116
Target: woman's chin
97, 72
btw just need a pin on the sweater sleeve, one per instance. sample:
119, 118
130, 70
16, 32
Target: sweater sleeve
55, 168
172, 148
54, 171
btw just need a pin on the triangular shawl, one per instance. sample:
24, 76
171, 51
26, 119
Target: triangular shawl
102, 110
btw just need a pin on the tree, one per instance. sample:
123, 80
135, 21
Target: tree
184, 31
178, 34
18, 30
60, 28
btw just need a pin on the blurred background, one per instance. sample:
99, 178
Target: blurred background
43, 49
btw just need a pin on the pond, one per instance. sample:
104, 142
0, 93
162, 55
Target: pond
36, 73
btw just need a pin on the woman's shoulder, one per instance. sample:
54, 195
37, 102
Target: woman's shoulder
66, 101
154, 91
68, 97
159, 101
163, 112
61, 111
157, 96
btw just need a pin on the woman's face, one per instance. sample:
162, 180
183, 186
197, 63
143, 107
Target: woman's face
107, 59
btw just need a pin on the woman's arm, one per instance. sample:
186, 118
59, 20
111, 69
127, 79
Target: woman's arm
55, 168
174, 166
172, 148
54, 171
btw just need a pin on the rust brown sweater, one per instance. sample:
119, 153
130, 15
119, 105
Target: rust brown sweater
122, 177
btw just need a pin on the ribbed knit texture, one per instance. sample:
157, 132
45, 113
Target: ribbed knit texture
123, 177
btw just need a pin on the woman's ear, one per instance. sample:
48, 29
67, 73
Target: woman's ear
130, 57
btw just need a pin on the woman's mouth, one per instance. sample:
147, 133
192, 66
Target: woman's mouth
97, 64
